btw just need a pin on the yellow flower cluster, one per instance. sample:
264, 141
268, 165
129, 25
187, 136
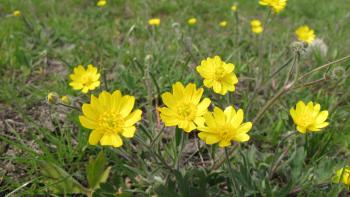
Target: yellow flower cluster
192, 21
276, 5
309, 118
256, 26
305, 34
154, 22
223, 24
342, 176
101, 3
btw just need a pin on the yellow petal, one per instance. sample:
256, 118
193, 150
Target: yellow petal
111, 140
229, 112
202, 107
300, 106
301, 129
237, 119
241, 137
208, 138
245, 127
127, 103
178, 90
169, 100
132, 118
217, 87
87, 123
219, 116
94, 137
224, 143
116, 100
322, 125
129, 132
321, 117
90, 112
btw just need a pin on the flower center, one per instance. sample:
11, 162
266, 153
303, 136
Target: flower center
111, 121
226, 134
219, 73
187, 111
306, 121
87, 80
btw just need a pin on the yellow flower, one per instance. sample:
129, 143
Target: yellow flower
342, 176
154, 21
256, 26
305, 34
109, 116
218, 75
224, 126
184, 107
85, 80
276, 5
308, 117
65, 100
223, 24
16, 13
234, 8
52, 98
101, 3
192, 21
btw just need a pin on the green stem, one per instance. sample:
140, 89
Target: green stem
231, 172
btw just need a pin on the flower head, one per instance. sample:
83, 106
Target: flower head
184, 107
218, 75
154, 21
110, 116
342, 176
223, 127
256, 26
276, 5
234, 8
16, 13
85, 79
66, 100
101, 3
52, 98
192, 21
223, 24
308, 117
305, 34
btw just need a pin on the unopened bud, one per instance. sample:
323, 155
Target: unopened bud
52, 98
66, 100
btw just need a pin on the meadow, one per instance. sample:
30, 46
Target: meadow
174, 98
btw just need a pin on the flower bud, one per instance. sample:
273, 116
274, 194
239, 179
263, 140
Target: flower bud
66, 100
52, 98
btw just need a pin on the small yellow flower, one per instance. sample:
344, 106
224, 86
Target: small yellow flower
85, 80
218, 75
256, 26
66, 100
154, 21
52, 98
276, 5
223, 127
101, 3
109, 116
342, 176
223, 24
184, 107
192, 21
234, 8
305, 34
308, 117
16, 13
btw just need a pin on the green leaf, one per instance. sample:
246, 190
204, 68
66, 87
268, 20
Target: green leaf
96, 171
59, 181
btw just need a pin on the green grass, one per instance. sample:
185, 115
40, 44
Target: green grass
39, 49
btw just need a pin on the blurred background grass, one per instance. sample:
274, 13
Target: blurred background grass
39, 49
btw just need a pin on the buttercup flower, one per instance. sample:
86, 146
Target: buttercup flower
223, 127
234, 8
16, 13
308, 117
276, 5
192, 21
342, 176
101, 3
305, 34
85, 80
256, 26
109, 116
154, 21
52, 98
218, 75
65, 100
184, 107
223, 24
